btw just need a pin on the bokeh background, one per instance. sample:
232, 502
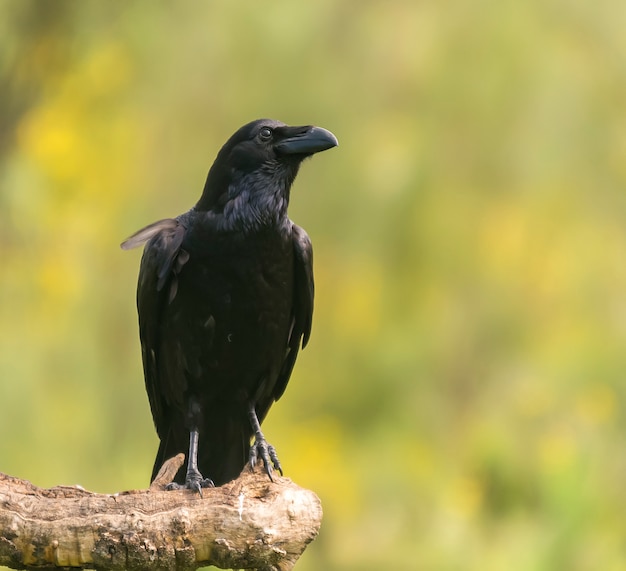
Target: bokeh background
461, 405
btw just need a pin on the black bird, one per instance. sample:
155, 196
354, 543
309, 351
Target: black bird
225, 300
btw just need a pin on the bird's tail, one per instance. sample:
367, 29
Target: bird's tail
223, 448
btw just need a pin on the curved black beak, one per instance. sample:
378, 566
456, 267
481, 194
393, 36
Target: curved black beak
306, 141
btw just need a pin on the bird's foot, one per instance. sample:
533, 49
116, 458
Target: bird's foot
267, 453
193, 481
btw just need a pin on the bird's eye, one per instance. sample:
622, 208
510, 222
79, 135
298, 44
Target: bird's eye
265, 133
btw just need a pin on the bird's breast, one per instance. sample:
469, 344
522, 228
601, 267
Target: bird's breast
234, 303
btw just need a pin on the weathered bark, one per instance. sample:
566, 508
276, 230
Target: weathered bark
250, 523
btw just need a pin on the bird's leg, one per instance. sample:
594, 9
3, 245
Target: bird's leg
193, 479
261, 448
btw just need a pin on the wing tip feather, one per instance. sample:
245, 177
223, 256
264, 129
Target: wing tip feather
142, 236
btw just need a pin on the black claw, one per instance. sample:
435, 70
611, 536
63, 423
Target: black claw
252, 457
274, 458
267, 453
195, 484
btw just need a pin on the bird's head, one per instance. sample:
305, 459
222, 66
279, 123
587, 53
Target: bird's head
254, 170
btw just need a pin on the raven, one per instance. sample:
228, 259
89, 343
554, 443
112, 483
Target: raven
225, 300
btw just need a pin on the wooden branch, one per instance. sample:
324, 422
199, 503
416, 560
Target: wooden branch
250, 523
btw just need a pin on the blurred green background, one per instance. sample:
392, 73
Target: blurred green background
461, 405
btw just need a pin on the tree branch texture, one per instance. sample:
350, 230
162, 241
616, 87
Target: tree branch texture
250, 523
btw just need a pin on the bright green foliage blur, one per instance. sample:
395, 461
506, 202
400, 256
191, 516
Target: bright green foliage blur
461, 405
